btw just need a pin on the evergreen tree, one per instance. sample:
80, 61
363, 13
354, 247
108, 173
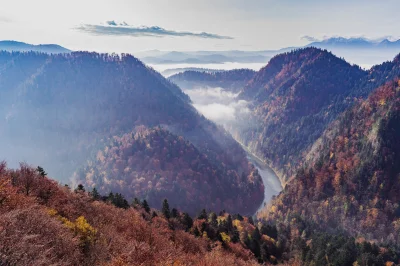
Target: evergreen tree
41, 171
250, 219
229, 225
203, 214
165, 209
80, 188
174, 213
95, 194
146, 206
196, 232
235, 235
187, 221
136, 202
213, 220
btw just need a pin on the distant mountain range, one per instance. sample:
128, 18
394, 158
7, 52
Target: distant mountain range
25, 47
374, 52
355, 43
204, 57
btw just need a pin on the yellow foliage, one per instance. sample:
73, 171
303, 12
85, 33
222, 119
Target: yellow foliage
83, 228
221, 219
52, 212
226, 238
238, 224
205, 235
331, 155
382, 102
80, 227
273, 209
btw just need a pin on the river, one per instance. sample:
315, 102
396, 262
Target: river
272, 185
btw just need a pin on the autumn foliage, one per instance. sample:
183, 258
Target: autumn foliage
71, 228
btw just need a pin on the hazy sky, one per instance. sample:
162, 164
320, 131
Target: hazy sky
137, 25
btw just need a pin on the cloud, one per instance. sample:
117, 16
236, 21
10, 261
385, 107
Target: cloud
309, 39
113, 28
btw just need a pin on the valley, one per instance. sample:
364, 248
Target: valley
222, 107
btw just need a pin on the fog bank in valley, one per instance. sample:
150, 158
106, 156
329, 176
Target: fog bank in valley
221, 106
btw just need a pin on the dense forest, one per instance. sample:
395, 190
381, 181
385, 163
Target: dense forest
231, 80
350, 180
293, 99
45, 223
154, 164
60, 110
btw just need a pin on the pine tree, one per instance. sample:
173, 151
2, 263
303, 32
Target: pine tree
146, 206
174, 213
250, 219
95, 194
136, 202
187, 221
203, 214
229, 222
80, 188
213, 220
165, 209
235, 235
41, 171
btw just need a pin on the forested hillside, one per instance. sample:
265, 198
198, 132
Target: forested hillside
350, 179
155, 164
293, 99
60, 110
231, 80
44, 223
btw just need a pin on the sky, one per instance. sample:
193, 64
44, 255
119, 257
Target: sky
185, 25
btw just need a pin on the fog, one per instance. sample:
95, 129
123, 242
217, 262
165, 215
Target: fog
221, 106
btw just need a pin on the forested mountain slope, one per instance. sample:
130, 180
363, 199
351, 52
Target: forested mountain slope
232, 80
43, 223
154, 164
293, 99
350, 180
58, 111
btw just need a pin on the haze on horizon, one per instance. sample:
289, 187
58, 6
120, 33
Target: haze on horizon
132, 26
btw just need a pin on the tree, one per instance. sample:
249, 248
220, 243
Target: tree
187, 221
165, 209
203, 214
235, 235
95, 194
27, 178
250, 219
146, 206
136, 202
41, 171
213, 220
80, 188
229, 225
174, 213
